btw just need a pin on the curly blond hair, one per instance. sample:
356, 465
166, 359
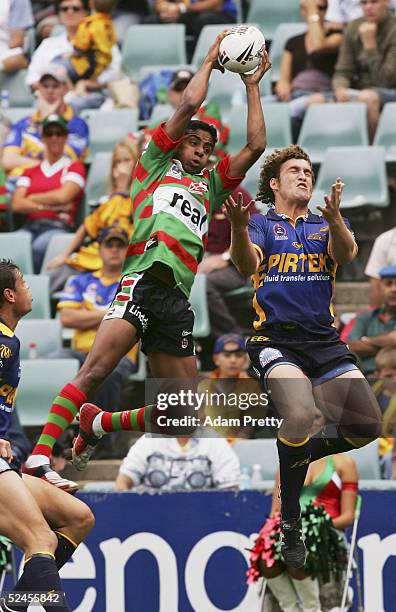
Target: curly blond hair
271, 169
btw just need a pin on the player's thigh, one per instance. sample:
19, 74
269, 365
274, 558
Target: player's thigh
290, 389
60, 509
113, 340
348, 394
20, 515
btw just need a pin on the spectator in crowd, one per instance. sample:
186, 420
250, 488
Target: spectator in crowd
15, 18
308, 63
49, 194
91, 93
84, 303
230, 378
127, 15
221, 274
92, 44
195, 14
82, 254
179, 464
342, 12
376, 329
365, 69
209, 111
384, 389
24, 147
382, 254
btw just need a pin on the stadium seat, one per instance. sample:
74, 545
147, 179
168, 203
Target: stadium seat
283, 32
385, 136
206, 38
363, 171
16, 114
262, 451
153, 44
45, 333
333, 125
161, 112
250, 182
221, 89
199, 303
19, 93
57, 244
18, 247
106, 128
277, 119
40, 382
98, 180
141, 373
39, 286
268, 14
367, 461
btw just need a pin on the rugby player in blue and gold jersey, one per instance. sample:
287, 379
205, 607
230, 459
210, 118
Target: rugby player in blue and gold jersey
292, 255
44, 522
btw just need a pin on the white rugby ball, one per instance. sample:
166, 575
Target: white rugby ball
241, 50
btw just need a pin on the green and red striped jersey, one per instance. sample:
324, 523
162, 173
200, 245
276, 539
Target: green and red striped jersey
172, 210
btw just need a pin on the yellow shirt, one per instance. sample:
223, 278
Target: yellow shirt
93, 42
117, 210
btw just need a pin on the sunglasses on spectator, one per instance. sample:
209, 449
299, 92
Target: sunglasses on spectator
72, 7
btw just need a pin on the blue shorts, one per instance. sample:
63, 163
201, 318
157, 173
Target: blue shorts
320, 358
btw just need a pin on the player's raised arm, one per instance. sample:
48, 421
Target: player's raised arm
256, 133
195, 92
243, 254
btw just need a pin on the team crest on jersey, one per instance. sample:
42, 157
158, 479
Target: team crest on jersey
280, 232
174, 171
200, 187
316, 236
297, 245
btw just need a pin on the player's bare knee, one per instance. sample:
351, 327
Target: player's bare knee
85, 521
42, 538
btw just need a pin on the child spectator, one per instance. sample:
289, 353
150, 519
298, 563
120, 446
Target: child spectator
385, 391
93, 43
82, 253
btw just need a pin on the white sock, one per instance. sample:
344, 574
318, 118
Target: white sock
36, 460
97, 424
282, 588
308, 592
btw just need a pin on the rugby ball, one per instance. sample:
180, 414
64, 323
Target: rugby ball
242, 49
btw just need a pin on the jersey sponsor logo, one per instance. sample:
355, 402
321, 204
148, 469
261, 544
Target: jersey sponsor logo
316, 236
280, 232
151, 243
182, 205
136, 312
267, 355
297, 245
5, 352
258, 339
291, 262
200, 187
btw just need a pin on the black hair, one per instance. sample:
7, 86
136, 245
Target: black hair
8, 276
195, 125
85, 5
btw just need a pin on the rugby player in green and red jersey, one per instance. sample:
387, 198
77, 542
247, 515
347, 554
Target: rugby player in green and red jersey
173, 197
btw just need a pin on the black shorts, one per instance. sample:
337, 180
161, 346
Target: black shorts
161, 314
320, 358
6, 467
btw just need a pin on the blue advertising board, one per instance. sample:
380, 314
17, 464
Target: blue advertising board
185, 552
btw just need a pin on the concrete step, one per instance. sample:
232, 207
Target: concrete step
352, 294
103, 469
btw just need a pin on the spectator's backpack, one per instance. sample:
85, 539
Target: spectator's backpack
153, 90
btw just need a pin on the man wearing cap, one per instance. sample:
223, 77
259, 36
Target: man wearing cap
24, 147
49, 193
84, 302
376, 329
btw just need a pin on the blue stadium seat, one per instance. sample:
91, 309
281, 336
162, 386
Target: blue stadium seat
39, 286
333, 125
277, 119
385, 136
206, 38
45, 333
367, 461
98, 180
268, 14
199, 303
18, 247
57, 244
106, 128
262, 451
19, 93
363, 171
153, 44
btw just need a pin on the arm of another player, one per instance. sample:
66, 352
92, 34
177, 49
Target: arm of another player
256, 132
245, 257
195, 92
342, 246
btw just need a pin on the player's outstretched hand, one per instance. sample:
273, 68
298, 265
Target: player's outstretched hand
331, 211
257, 75
237, 214
213, 53
5, 450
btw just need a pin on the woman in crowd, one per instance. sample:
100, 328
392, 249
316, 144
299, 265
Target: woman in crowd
82, 254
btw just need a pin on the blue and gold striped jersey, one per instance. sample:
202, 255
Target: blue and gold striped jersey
296, 277
9, 376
